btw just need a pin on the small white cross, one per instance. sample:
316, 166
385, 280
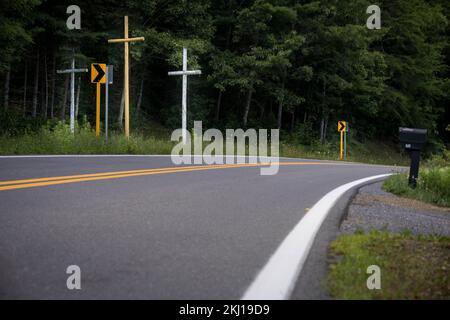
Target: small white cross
185, 73
72, 91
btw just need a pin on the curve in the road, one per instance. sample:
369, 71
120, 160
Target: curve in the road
278, 277
203, 234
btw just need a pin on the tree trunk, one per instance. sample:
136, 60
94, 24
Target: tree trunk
122, 105
139, 101
292, 120
322, 129
218, 105
52, 103
77, 103
7, 81
280, 108
42, 92
325, 129
36, 86
262, 108
280, 114
247, 107
64, 102
322, 123
46, 88
45, 105
25, 84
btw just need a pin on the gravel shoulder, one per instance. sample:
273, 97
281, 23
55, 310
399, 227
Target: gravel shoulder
372, 209
407, 240
375, 209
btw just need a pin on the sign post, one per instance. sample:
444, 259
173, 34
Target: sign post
343, 129
98, 76
185, 73
72, 72
109, 80
345, 140
413, 140
126, 91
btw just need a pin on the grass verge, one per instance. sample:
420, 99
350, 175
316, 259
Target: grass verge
369, 152
412, 267
57, 139
433, 185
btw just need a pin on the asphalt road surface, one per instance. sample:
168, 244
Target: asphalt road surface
201, 234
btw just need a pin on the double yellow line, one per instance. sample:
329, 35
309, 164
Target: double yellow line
48, 181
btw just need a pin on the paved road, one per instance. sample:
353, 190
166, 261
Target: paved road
182, 235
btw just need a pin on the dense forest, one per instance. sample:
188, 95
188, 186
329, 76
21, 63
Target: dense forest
295, 65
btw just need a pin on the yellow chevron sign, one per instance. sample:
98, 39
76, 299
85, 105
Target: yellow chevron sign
342, 126
98, 73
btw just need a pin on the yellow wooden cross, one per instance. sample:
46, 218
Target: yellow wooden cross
126, 91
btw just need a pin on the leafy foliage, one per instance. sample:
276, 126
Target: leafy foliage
266, 63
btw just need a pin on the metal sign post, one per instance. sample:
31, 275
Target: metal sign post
98, 76
343, 129
345, 141
109, 80
185, 73
106, 103
345, 145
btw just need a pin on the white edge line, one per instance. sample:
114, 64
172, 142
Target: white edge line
278, 277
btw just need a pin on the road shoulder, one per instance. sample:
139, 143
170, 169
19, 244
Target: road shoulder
311, 283
365, 208
375, 209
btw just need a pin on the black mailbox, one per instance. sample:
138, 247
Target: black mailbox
413, 141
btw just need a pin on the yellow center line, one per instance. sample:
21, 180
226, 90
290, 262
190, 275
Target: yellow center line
40, 182
88, 175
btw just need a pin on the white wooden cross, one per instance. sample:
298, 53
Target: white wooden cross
72, 72
185, 73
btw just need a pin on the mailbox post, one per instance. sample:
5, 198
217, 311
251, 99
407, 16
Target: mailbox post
413, 141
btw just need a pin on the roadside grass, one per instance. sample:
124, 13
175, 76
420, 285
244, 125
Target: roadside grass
433, 184
155, 139
412, 267
373, 152
59, 140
